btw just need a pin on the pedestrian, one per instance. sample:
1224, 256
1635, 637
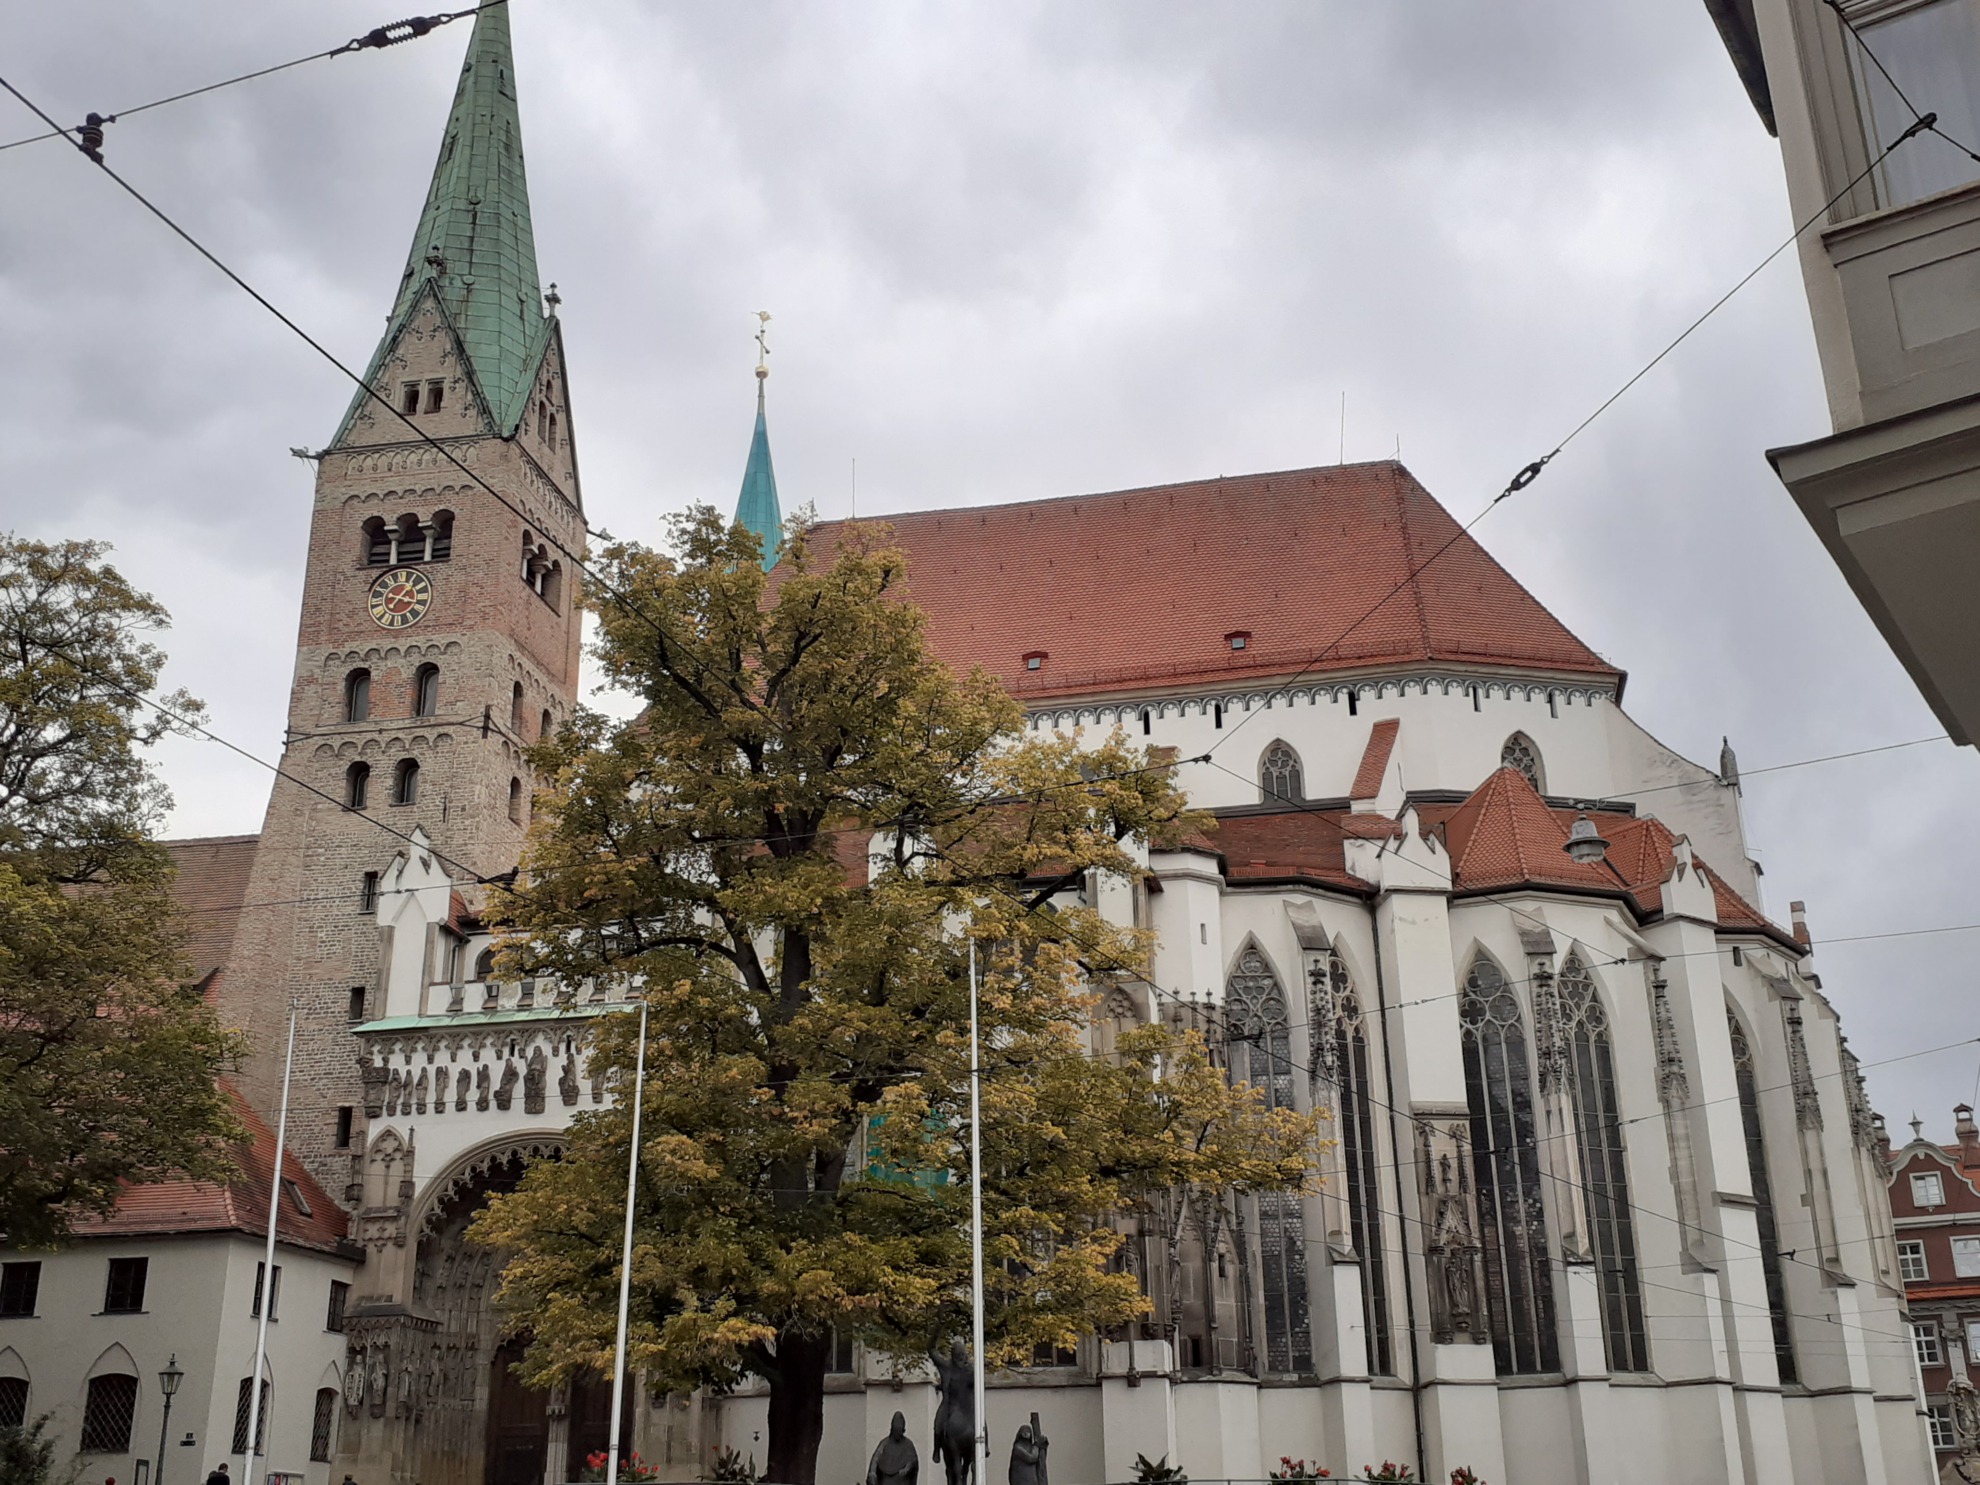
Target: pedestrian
219, 1475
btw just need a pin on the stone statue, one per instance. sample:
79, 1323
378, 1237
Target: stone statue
481, 1086
955, 1414
461, 1086
567, 1081
894, 1461
505, 1091
1963, 1407
1028, 1454
534, 1077
419, 1092
392, 1096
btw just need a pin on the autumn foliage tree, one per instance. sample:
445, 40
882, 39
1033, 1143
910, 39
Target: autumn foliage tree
793, 849
108, 1060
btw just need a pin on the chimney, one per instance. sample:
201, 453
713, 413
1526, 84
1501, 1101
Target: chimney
1798, 916
1969, 1136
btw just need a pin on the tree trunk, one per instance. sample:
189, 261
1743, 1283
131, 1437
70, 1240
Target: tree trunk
797, 1409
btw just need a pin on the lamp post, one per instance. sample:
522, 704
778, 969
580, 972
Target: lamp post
168, 1383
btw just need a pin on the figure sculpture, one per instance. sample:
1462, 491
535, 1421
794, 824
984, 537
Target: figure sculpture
894, 1460
955, 1415
1028, 1454
1963, 1410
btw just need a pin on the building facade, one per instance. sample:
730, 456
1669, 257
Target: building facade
1935, 1198
1877, 106
1602, 1168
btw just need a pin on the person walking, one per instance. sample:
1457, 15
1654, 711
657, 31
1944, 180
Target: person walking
219, 1475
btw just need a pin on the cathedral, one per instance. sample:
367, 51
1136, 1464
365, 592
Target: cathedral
1602, 1198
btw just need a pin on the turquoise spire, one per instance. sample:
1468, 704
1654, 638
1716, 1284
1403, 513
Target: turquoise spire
756, 508
475, 246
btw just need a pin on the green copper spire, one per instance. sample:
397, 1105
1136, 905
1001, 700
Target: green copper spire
475, 245
756, 508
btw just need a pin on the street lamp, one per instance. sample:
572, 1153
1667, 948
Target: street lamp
168, 1383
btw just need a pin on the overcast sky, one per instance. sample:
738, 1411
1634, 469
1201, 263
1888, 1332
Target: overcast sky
1019, 250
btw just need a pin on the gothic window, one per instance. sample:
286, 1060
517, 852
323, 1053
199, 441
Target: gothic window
1280, 777
426, 691
242, 1403
1512, 1224
1763, 1198
357, 785
484, 965
405, 781
515, 800
1340, 1042
1598, 1126
1261, 1055
1520, 753
357, 696
323, 1423
109, 1407
13, 1402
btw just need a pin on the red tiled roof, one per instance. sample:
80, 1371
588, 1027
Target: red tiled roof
1505, 835
1298, 845
210, 887
241, 1205
1375, 759
1295, 559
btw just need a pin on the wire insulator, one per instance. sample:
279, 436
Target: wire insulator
91, 136
410, 29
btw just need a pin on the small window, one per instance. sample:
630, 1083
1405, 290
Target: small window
20, 1286
123, 1290
1354, 704
1943, 1437
1238, 639
357, 696
1035, 660
1966, 1257
368, 893
1476, 704
435, 393
426, 691
405, 781
1281, 780
551, 589
377, 543
320, 1428
357, 1002
1925, 1340
274, 1293
1520, 755
345, 1114
301, 1204
340, 1299
545, 726
516, 709
440, 538
1217, 713
13, 1402
542, 420
241, 1406
841, 1363
1928, 1190
108, 1411
553, 431
1912, 1267
408, 403
357, 786
484, 964
515, 800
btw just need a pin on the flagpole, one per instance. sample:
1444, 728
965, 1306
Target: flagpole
625, 1261
253, 1431
981, 1442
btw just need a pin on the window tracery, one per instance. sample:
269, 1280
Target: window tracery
1512, 1219
1339, 1074
1584, 1030
1281, 778
1763, 1197
1521, 753
1261, 1054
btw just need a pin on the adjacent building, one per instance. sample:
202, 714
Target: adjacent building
1891, 261
1935, 1196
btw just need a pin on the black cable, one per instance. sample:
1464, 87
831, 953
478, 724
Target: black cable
1904, 98
377, 38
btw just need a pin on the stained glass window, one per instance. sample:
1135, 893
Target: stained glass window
1341, 1042
1261, 1054
1763, 1198
1512, 1221
1520, 753
1280, 778
1598, 1124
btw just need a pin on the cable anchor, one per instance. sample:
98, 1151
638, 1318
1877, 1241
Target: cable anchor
90, 135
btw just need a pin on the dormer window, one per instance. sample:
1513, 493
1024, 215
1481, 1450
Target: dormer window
1035, 660
1238, 639
1928, 1189
409, 398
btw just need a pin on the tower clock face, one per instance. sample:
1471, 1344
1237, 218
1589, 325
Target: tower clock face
400, 598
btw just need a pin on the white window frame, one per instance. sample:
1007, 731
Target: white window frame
1939, 1415
1925, 1341
1913, 1266
1928, 1180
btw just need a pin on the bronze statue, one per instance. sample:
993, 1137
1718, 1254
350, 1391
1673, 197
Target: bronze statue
894, 1461
1028, 1454
955, 1415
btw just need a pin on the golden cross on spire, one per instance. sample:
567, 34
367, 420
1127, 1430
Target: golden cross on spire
762, 344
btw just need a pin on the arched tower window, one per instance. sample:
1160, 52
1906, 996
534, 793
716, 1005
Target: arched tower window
377, 543
426, 691
1599, 1132
1339, 1072
1261, 1055
1763, 1198
515, 800
440, 544
1280, 778
484, 964
357, 785
405, 781
545, 727
1512, 1224
516, 709
552, 587
1520, 753
357, 696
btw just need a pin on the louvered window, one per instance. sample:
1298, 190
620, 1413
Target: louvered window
1512, 1219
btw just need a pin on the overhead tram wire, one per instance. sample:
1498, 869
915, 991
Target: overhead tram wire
379, 37
1532, 471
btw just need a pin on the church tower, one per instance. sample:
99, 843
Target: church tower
440, 629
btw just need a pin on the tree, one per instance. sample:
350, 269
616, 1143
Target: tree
793, 849
108, 1061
